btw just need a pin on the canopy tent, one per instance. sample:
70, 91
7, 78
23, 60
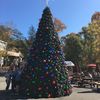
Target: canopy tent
69, 63
15, 54
92, 65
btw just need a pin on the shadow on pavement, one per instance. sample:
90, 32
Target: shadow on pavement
2, 74
86, 92
8, 95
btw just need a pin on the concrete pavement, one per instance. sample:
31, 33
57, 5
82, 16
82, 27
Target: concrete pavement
2, 83
78, 94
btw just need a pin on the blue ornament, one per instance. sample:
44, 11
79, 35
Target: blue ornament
51, 50
46, 67
33, 75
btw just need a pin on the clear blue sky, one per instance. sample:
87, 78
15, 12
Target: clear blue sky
23, 13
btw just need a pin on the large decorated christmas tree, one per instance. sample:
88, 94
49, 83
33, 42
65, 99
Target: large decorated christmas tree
45, 75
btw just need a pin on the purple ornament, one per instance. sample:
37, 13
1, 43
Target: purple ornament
42, 77
52, 75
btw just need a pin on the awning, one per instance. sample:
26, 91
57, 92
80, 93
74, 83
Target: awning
69, 63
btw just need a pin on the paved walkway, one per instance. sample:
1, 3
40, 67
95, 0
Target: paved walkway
78, 94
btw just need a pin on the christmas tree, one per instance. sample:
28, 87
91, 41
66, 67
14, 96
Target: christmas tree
45, 75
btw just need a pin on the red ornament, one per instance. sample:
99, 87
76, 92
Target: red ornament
39, 88
32, 69
53, 82
49, 95
47, 73
46, 27
46, 87
67, 91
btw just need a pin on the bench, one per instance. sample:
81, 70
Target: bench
97, 84
85, 82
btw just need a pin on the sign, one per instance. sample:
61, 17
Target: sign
3, 45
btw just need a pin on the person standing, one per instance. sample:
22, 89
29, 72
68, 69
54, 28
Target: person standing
1, 61
8, 76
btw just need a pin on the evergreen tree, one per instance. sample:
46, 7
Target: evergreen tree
73, 49
31, 35
45, 75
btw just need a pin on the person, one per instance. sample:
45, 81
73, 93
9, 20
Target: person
16, 79
90, 75
16, 62
1, 61
13, 80
8, 76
